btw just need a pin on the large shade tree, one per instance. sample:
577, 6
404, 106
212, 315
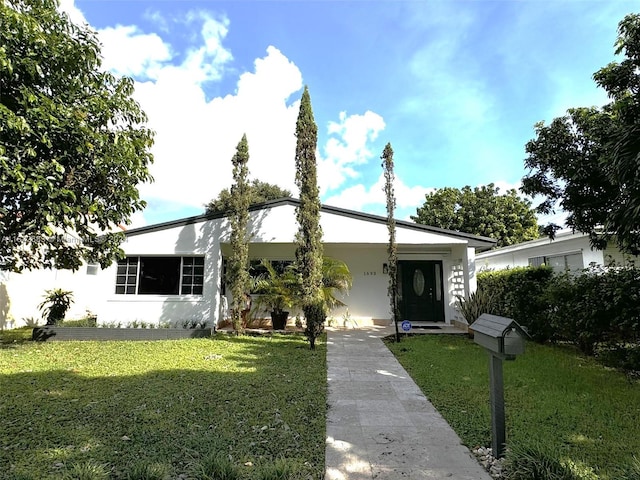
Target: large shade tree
309, 246
483, 211
73, 143
259, 192
587, 163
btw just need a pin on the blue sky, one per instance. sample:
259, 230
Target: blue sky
455, 86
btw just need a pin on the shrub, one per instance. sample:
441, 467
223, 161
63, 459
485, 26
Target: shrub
599, 306
55, 305
479, 302
520, 294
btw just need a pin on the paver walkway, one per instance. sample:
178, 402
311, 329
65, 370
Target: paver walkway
379, 424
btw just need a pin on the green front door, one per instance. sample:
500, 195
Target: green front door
420, 288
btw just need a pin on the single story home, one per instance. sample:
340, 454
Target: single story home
173, 271
568, 251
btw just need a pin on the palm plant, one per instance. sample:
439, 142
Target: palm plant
55, 305
336, 278
277, 291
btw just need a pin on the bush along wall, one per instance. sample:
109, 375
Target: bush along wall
520, 293
600, 306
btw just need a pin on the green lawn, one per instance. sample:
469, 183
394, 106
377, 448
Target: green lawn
162, 409
583, 413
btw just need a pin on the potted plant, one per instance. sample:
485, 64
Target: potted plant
279, 290
276, 292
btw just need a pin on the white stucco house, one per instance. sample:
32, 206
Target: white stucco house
568, 251
173, 271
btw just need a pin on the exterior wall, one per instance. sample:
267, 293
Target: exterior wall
21, 293
359, 242
194, 239
519, 255
613, 256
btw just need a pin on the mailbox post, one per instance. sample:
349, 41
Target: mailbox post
503, 339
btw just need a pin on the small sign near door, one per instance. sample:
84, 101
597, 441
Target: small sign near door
406, 325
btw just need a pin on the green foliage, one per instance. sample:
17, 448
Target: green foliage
520, 294
147, 471
631, 471
15, 336
73, 145
176, 401
392, 248
535, 462
280, 469
599, 306
281, 290
259, 192
278, 291
89, 470
483, 211
309, 246
474, 305
55, 305
238, 264
587, 161
81, 322
336, 278
581, 412
216, 466
315, 314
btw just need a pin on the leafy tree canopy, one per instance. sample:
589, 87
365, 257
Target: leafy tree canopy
258, 192
73, 146
481, 211
588, 161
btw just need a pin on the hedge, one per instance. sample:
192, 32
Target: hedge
519, 293
599, 306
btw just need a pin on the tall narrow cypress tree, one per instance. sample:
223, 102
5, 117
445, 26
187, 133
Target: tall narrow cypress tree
309, 246
392, 250
237, 270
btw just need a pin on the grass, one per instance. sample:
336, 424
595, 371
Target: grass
161, 409
584, 413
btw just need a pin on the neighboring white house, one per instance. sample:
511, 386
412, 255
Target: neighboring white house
173, 271
568, 251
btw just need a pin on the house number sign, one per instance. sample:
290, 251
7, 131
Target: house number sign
368, 274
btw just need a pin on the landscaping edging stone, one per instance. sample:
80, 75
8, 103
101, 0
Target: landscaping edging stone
54, 333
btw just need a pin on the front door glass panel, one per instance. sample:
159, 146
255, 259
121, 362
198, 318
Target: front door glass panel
418, 282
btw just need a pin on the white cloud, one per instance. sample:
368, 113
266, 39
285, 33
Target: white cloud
373, 199
196, 138
68, 7
129, 52
347, 148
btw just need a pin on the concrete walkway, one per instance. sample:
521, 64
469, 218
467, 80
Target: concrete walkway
379, 424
